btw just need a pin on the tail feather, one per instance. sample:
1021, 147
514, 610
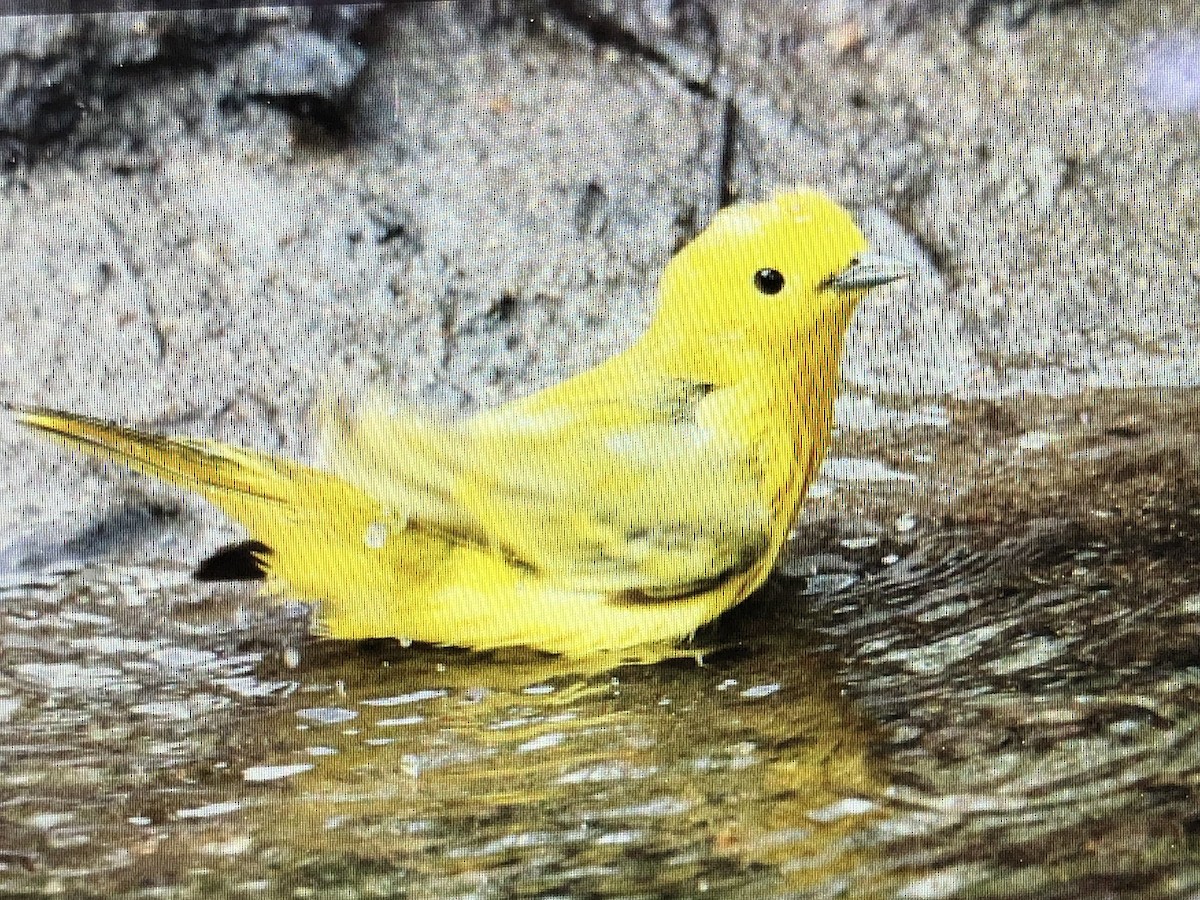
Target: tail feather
312, 533
215, 470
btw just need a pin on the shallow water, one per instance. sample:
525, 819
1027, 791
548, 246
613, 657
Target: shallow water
976, 673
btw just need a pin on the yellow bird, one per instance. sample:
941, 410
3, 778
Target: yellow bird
628, 505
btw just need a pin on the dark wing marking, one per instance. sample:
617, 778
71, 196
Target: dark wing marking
750, 555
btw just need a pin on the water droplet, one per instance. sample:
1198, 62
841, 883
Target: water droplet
376, 536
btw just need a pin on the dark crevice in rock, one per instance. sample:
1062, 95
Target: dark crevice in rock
604, 30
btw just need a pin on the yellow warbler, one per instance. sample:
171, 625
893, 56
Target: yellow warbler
628, 505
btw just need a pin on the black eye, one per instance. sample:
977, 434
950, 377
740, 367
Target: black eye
769, 281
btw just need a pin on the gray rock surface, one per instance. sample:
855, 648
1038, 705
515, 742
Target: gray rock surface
62, 74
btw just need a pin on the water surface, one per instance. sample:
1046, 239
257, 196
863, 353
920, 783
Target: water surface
975, 673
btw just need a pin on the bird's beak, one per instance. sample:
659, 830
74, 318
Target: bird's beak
868, 270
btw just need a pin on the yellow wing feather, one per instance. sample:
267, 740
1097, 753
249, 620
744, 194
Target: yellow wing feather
642, 496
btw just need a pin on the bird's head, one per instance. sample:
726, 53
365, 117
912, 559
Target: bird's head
786, 270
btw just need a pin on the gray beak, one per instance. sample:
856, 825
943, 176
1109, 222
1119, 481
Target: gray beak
868, 270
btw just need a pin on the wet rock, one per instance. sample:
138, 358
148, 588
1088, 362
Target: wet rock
61, 70
125, 527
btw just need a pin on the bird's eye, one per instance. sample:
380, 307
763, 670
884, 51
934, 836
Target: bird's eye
768, 281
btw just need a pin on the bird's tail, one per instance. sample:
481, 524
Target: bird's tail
320, 536
238, 481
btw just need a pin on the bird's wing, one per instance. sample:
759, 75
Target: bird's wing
647, 495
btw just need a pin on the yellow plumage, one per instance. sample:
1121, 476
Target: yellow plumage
628, 505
